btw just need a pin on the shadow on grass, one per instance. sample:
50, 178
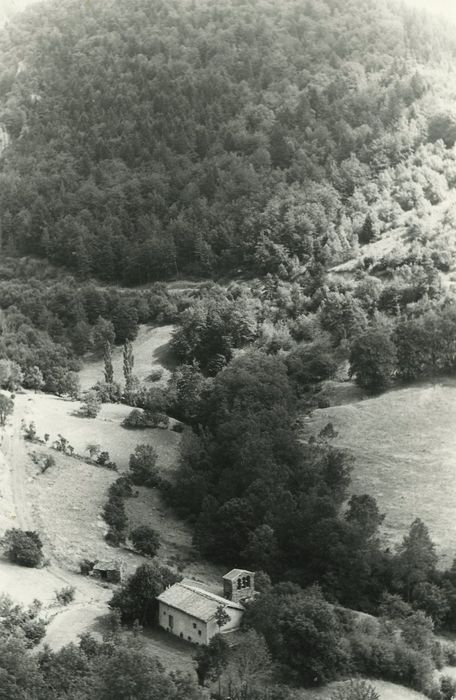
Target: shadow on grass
164, 355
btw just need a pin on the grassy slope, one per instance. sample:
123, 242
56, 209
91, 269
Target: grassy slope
68, 499
387, 691
54, 415
404, 443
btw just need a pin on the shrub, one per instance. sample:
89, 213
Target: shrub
93, 449
86, 566
355, 690
448, 687
62, 382
48, 462
108, 392
91, 406
63, 445
391, 659
309, 364
104, 460
34, 630
328, 432
450, 654
146, 540
29, 431
146, 419
156, 420
15, 618
114, 537
121, 488
135, 419
24, 548
373, 360
115, 516
66, 595
432, 600
155, 375
6, 408
178, 427
142, 466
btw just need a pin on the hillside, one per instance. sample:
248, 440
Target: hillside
149, 139
405, 456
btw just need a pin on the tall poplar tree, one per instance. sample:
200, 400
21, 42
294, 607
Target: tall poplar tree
128, 362
108, 367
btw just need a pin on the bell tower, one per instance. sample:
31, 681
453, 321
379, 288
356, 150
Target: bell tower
238, 585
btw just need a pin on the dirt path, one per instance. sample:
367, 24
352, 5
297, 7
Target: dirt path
73, 621
14, 455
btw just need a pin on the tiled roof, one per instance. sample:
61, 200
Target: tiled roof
234, 573
195, 601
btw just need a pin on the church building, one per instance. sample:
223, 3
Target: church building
196, 615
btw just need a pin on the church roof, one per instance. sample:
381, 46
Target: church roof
235, 573
195, 601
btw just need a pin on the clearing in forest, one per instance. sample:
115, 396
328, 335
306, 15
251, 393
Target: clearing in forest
150, 349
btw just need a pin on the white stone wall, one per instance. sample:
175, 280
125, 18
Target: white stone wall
190, 628
184, 626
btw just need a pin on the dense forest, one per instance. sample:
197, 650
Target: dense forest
152, 139
49, 320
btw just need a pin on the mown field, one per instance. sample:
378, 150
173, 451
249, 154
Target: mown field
404, 444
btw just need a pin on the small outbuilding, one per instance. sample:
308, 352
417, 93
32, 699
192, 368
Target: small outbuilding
107, 570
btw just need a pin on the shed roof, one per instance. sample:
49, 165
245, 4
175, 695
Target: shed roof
107, 565
195, 601
235, 573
